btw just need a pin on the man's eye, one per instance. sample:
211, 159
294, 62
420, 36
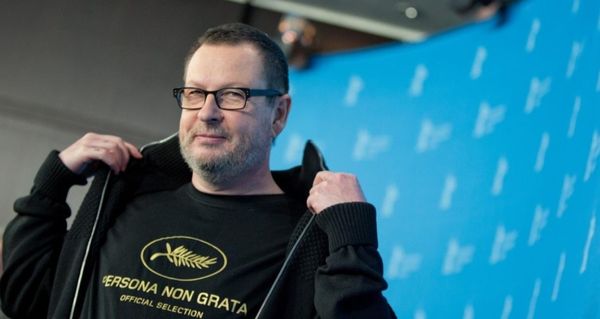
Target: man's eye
195, 93
233, 94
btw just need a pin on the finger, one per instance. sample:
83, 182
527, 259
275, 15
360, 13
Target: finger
104, 155
133, 150
316, 203
309, 204
123, 154
110, 152
128, 150
320, 177
319, 187
122, 148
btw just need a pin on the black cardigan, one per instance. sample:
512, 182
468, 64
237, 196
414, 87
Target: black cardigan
335, 272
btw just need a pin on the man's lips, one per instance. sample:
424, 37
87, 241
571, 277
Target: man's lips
209, 138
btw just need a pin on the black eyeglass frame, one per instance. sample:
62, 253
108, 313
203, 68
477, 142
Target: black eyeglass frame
248, 93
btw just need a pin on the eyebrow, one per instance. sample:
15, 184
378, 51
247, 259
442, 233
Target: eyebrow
227, 85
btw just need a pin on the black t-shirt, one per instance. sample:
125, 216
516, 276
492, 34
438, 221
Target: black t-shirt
187, 254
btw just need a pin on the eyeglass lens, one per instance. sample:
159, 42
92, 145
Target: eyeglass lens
227, 98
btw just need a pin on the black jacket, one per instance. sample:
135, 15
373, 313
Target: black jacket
333, 271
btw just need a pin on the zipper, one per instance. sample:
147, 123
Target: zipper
287, 260
87, 248
285, 265
89, 243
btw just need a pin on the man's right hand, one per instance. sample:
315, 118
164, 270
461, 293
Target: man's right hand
92, 147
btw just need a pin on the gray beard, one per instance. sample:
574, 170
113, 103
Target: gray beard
223, 169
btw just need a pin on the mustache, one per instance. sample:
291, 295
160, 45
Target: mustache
207, 130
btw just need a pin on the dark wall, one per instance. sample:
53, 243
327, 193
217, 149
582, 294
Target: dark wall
106, 65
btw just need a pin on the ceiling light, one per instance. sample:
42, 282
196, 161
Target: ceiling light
411, 12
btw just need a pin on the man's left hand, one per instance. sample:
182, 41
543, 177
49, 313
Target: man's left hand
331, 188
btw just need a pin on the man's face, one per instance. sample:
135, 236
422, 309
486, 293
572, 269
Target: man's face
220, 144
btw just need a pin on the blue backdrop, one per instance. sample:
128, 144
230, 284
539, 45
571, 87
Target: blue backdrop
480, 150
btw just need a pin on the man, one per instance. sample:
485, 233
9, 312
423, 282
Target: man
238, 241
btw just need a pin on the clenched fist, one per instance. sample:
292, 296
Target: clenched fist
331, 188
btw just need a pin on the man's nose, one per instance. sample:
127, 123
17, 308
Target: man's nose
210, 112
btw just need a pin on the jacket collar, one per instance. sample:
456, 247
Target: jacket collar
164, 168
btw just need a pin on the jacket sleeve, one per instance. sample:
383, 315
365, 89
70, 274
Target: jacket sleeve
33, 239
350, 283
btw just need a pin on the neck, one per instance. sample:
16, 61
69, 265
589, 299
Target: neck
257, 182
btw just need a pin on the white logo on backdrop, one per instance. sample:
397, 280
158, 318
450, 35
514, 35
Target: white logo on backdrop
420, 314
355, 86
533, 33
402, 264
573, 121
534, 298
576, 51
537, 90
541, 155
431, 136
540, 219
368, 146
487, 119
457, 257
503, 243
558, 278
590, 166
418, 81
477, 67
566, 193
588, 244
469, 312
501, 171
575, 6
293, 151
389, 200
450, 185
507, 307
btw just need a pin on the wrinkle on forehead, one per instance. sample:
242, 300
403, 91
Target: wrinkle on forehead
214, 66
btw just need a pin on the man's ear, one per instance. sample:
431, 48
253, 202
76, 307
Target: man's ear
280, 114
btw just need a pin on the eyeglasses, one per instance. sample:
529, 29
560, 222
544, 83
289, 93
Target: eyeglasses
190, 98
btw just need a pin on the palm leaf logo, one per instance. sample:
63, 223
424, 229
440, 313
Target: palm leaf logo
182, 256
